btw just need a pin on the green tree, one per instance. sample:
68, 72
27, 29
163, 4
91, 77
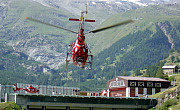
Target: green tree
178, 50
172, 59
124, 73
177, 59
137, 72
172, 50
159, 73
172, 78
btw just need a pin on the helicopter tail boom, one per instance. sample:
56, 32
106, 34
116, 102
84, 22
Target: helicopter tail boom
73, 19
87, 20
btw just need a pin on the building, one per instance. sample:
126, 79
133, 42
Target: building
90, 93
170, 69
125, 86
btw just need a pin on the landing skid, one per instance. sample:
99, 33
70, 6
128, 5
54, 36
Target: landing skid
79, 61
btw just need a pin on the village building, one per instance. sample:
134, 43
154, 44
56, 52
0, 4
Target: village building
125, 86
170, 69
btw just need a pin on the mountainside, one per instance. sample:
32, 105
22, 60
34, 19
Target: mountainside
173, 58
137, 45
44, 43
49, 45
27, 48
165, 16
143, 43
15, 66
40, 42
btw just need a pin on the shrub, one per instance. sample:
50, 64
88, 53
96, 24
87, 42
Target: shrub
170, 102
178, 96
9, 106
163, 108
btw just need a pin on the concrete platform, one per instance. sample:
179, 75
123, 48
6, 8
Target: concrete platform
66, 102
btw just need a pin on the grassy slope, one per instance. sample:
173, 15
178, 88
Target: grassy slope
144, 18
162, 95
9, 106
169, 61
25, 8
18, 10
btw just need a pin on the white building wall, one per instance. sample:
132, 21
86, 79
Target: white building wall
153, 91
136, 91
128, 92
108, 93
145, 91
163, 89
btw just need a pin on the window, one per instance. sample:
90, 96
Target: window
132, 91
157, 90
140, 90
140, 83
122, 83
149, 91
117, 83
149, 84
157, 84
132, 83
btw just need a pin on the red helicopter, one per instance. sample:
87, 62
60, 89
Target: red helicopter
29, 89
79, 52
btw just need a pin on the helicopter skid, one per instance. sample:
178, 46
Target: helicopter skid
80, 61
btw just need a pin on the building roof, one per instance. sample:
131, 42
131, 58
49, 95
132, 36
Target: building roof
143, 78
169, 66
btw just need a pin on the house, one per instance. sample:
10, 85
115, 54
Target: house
170, 69
125, 86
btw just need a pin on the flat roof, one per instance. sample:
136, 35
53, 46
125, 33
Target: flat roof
78, 96
169, 66
143, 78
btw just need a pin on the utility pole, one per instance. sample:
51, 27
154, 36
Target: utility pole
115, 69
0, 93
79, 80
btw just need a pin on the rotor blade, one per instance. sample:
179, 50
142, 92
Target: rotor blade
35, 20
118, 24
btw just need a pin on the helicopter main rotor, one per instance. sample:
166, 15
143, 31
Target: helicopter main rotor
111, 26
93, 31
38, 21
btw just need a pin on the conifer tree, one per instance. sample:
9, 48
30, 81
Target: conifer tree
137, 72
124, 73
159, 73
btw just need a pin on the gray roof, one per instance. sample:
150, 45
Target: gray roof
143, 78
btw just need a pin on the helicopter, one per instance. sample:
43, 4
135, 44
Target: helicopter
29, 89
79, 53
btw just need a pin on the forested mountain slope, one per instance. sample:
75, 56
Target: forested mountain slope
28, 47
42, 43
150, 38
165, 16
135, 46
15, 67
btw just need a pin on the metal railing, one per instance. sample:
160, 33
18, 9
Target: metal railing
43, 90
